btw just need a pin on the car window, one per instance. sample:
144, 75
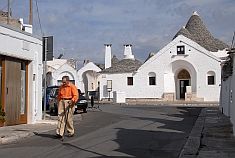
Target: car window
56, 92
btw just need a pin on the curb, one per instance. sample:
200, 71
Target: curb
51, 122
13, 137
192, 145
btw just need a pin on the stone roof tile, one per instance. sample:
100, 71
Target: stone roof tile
197, 31
123, 66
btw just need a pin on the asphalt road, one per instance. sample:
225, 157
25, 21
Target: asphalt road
117, 131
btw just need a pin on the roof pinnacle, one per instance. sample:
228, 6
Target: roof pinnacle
195, 13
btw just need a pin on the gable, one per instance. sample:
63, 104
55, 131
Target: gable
66, 67
89, 66
174, 43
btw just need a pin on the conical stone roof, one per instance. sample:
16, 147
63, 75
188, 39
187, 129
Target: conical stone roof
197, 31
114, 60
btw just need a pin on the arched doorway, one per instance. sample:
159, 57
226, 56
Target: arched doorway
184, 80
90, 82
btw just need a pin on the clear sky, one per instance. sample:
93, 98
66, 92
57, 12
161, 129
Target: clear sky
82, 27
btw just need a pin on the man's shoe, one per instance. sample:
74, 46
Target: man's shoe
58, 136
70, 135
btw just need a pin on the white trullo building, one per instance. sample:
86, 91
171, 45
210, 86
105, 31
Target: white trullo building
84, 77
187, 68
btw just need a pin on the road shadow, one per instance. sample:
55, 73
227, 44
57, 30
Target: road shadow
45, 135
164, 140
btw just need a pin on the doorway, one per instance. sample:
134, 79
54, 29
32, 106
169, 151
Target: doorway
184, 80
15, 91
183, 84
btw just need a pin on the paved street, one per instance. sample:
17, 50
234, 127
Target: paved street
116, 131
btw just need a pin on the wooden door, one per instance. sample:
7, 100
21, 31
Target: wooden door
12, 91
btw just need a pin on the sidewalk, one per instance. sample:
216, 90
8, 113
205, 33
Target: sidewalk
211, 136
10, 134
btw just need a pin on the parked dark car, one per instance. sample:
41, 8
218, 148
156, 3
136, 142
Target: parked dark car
81, 104
53, 101
48, 96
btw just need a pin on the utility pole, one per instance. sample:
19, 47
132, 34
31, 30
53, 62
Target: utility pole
45, 78
31, 12
8, 12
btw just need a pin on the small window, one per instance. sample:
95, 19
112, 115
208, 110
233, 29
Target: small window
152, 80
129, 81
180, 50
211, 80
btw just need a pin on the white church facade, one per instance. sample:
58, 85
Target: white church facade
188, 68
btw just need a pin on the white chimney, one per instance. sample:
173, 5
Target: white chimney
108, 56
128, 52
26, 27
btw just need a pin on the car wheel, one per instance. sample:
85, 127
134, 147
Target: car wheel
51, 111
75, 111
84, 110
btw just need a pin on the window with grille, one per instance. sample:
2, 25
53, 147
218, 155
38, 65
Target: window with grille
180, 50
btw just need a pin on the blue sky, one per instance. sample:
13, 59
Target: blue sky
82, 27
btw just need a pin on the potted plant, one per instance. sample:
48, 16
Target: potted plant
2, 116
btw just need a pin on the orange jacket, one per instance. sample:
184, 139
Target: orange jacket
68, 91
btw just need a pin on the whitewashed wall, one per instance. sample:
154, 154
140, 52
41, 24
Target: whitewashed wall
92, 77
197, 60
24, 46
227, 102
64, 70
232, 96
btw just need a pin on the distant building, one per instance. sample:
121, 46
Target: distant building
84, 78
187, 68
15, 23
58, 68
88, 78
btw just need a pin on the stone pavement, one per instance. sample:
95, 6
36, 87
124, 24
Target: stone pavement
211, 137
11, 134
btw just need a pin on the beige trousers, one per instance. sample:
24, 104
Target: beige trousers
62, 114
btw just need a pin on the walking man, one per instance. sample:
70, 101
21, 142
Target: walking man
67, 97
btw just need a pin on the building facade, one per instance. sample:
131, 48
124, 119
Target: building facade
187, 68
21, 76
227, 98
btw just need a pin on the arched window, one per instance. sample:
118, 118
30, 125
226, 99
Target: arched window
152, 78
211, 78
